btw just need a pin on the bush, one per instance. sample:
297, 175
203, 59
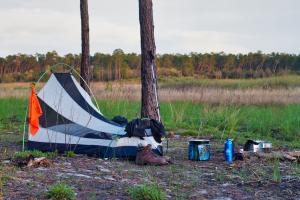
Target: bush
147, 191
61, 191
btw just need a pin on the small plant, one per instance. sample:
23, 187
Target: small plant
147, 191
276, 171
70, 154
61, 191
231, 123
34, 153
51, 154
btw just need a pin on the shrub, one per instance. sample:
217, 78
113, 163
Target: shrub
61, 191
147, 191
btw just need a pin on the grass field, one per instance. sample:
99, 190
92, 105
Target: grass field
277, 90
287, 81
277, 123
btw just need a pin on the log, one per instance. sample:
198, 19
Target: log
284, 156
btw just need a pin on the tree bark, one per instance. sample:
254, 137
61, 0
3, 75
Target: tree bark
85, 46
150, 105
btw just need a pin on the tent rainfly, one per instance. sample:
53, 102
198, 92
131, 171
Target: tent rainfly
70, 121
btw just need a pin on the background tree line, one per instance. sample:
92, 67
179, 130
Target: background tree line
120, 65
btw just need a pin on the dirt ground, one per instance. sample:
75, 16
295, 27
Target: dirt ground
95, 178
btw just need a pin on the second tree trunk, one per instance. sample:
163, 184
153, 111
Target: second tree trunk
150, 108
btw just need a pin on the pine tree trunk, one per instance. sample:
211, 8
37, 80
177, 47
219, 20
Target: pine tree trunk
85, 46
150, 106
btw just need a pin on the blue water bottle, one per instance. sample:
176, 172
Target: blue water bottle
228, 150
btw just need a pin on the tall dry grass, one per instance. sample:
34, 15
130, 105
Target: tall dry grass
212, 95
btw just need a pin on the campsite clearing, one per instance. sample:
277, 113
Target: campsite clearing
94, 178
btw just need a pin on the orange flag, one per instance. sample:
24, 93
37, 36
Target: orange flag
35, 111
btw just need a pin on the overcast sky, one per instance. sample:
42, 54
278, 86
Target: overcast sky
181, 26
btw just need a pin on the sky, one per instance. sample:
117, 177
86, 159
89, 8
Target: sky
181, 26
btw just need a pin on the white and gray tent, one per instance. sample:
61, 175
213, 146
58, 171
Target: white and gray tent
70, 121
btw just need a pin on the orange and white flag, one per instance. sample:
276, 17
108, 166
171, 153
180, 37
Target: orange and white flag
35, 111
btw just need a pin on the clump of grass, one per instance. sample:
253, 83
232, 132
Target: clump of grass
51, 154
70, 154
61, 191
276, 172
147, 191
34, 153
26, 154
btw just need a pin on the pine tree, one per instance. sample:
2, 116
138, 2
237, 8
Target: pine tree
85, 45
150, 105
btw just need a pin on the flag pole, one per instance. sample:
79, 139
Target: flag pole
24, 129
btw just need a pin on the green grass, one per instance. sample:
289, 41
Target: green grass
147, 191
276, 172
61, 191
35, 154
12, 113
287, 81
279, 124
70, 154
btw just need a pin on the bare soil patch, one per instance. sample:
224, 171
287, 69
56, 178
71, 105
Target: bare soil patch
95, 178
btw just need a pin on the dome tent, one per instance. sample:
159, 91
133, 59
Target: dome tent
70, 121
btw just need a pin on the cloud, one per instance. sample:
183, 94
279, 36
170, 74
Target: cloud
180, 26
201, 41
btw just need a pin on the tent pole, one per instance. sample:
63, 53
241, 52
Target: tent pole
24, 129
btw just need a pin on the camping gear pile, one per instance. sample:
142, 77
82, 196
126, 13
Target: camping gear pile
199, 149
251, 146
